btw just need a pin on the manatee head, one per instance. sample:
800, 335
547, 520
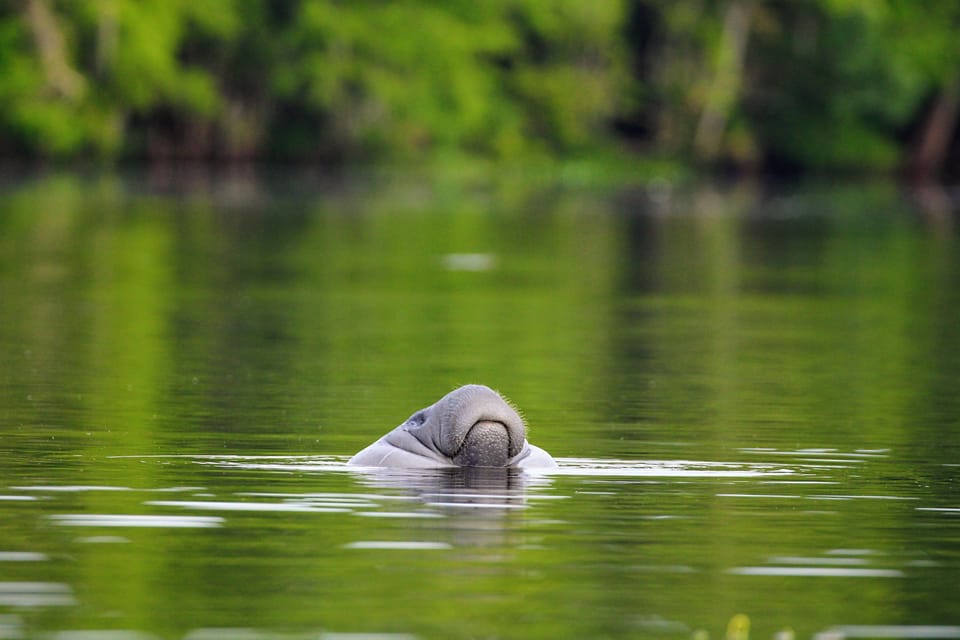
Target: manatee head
472, 425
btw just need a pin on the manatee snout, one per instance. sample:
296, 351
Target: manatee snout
487, 444
478, 428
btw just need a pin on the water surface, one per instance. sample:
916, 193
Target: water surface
751, 391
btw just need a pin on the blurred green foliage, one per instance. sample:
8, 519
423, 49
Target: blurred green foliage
824, 85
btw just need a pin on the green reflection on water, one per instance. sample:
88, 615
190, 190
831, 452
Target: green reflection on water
303, 318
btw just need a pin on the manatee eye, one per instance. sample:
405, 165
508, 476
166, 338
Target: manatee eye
416, 419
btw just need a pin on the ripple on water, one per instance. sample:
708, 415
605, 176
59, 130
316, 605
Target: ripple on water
220, 505
103, 540
82, 488
566, 466
342, 500
402, 545
274, 463
36, 594
835, 561
665, 468
101, 634
70, 488
820, 451
119, 520
400, 514
821, 497
22, 556
818, 572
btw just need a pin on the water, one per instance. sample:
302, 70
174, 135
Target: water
752, 394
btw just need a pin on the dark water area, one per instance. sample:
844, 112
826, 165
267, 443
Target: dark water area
751, 391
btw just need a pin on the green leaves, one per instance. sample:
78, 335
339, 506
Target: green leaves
315, 79
832, 84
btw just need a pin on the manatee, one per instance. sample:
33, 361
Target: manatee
469, 427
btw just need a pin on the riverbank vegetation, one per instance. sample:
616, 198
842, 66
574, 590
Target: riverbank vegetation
824, 85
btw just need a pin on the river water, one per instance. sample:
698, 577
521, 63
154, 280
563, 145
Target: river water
751, 391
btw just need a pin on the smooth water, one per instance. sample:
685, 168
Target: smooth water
752, 393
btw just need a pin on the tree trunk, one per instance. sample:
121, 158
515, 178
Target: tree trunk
727, 79
62, 79
933, 144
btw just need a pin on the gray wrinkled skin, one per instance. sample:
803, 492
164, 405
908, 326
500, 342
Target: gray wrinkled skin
469, 427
